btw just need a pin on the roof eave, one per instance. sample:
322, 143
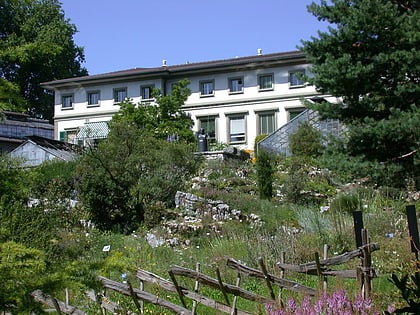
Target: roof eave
294, 57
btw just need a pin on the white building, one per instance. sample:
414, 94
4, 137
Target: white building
234, 100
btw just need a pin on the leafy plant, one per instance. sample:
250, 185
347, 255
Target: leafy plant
409, 288
306, 141
265, 171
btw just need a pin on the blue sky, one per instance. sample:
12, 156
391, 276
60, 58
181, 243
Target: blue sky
124, 34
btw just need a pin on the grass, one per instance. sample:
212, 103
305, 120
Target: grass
297, 230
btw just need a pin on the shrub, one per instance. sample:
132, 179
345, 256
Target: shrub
306, 141
265, 172
258, 139
295, 182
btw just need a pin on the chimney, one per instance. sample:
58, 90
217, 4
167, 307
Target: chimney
163, 63
259, 51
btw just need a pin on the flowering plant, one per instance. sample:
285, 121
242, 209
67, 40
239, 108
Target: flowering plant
327, 304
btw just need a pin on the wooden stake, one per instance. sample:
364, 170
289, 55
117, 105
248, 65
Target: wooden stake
178, 289
325, 258
134, 297
196, 286
222, 288
141, 301
238, 282
318, 267
282, 260
267, 278
367, 263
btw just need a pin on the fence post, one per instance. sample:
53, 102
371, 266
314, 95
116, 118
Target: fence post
367, 263
267, 279
325, 258
196, 286
318, 269
282, 260
141, 301
413, 230
219, 279
358, 227
178, 289
134, 297
235, 298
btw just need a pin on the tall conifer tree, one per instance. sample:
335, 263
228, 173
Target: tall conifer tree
369, 58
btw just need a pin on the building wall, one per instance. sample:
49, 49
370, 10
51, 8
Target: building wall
226, 110
31, 154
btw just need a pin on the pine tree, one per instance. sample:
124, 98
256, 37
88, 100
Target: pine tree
369, 59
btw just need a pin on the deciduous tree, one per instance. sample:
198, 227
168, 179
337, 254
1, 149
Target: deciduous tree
129, 173
164, 119
36, 45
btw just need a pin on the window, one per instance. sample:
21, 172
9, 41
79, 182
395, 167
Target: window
237, 128
67, 101
266, 123
265, 82
209, 126
93, 98
120, 95
293, 112
296, 78
236, 85
146, 92
207, 88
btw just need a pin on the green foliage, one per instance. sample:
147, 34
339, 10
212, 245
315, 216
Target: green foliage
10, 98
306, 141
409, 288
369, 59
164, 120
37, 46
346, 203
13, 182
20, 273
130, 171
295, 182
265, 171
258, 139
54, 178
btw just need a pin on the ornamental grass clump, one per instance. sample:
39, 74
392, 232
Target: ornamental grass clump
327, 304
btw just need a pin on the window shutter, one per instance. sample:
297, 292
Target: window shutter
63, 136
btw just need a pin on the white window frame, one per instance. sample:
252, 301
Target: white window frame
266, 114
261, 88
211, 138
231, 85
88, 94
64, 101
294, 81
117, 90
236, 137
297, 110
143, 88
204, 92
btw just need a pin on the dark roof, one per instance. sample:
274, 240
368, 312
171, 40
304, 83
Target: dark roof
22, 119
184, 69
49, 143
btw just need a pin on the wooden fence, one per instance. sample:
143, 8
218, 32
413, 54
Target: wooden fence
191, 298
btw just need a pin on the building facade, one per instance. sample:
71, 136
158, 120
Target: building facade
233, 100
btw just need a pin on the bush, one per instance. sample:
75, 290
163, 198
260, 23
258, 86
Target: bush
306, 141
265, 172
